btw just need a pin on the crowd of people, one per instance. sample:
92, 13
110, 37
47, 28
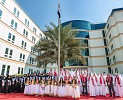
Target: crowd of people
71, 83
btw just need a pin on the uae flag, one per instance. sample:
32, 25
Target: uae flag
59, 10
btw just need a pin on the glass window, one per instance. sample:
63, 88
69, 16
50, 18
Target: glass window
6, 52
18, 13
40, 35
30, 60
109, 36
15, 10
26, 33
20, 56
9, 36
82, 34
28, 23
15, 25
25, 20
114, 58
13, 39
18, 70
32, 49
116, 70
12, 23
25, 46
0, 14
22, 44
23, 57
112, 47
21, 70
29, 71
10, 54
8, 69
3, 70
3, 1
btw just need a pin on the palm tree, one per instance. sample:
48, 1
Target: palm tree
69, 46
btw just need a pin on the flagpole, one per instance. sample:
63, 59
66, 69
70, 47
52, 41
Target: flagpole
58, 41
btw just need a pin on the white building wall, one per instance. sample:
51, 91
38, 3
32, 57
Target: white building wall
5, 29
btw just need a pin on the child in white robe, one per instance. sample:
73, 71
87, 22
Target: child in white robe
52, 88
26, 90
56, 88
67, 88
37, 87
32, 87
61, 88
47, 87
76, 90
42, 88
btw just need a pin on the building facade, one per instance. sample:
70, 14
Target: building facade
18, 35
104, 43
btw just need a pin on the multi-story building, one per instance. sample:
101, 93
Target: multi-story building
18, 35
104, 43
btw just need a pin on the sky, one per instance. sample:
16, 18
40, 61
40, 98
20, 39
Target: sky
42, 12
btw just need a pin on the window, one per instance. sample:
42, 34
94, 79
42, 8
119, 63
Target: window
30, 71
110, 61
26, 22
31, 60
18, 70
116, 70
23, 45
107, 26
34, 29
7, 51
0, 14
8, 69
15, 10
3, 2
21, 70
3, 70
39, 52
40, 35
112, 47
14, 24
32, 49
22, 57
109, 36
25, 33
18, 13
10, 54
112, 71
33, 39
114, 58
11, 38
